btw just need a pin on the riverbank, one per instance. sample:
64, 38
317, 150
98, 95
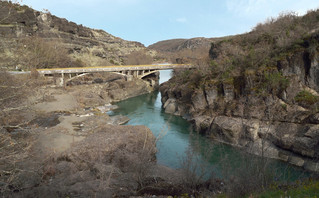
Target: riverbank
66, 145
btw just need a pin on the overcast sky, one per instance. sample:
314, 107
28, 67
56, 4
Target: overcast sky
149, 21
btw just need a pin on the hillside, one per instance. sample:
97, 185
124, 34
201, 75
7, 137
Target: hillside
175, 45
29, 37
184, 50
257, 91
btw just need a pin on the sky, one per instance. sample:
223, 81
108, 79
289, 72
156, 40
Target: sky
150, 21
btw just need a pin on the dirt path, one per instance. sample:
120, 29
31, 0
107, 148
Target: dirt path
54, 140
62, 102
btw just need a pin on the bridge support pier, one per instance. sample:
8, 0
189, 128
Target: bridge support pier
61, 81
129, 77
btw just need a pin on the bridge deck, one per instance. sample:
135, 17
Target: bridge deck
113, 68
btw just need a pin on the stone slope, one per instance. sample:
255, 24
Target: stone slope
91, 46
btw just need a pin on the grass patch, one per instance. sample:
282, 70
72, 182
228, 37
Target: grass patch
309, 189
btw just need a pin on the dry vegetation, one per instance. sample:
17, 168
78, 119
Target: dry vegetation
258, 55
184, 50
138, 58
184, 56
35, 52
17, 95
13, 93
255, 53
258, 68
168, 45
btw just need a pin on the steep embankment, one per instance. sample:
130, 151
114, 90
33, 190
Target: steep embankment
38, 39
258, 91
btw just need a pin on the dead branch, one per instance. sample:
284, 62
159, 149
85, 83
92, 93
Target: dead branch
14, 87
15, 108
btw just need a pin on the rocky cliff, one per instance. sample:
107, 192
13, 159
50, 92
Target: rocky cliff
21, 27
259, 91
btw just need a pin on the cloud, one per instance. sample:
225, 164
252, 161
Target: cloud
181, 20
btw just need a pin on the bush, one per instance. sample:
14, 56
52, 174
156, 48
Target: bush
306, 189
275, 82
37, 53
138, 58
11, 90
306, 99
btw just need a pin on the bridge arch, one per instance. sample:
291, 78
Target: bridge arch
148, 73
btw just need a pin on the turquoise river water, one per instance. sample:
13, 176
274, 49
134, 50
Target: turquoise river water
177, 142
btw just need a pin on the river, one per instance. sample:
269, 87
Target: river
177, 143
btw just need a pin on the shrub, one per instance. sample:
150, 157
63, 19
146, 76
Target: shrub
306, 99
11, 90
275, 82
306, 189
138, 58
37, 53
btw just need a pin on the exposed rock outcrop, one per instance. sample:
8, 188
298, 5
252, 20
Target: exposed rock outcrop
288, 136
238, 111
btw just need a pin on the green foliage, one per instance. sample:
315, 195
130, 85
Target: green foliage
256, 56
213, 64
284, 106
186, 74
306, 99
275, 82
309, 189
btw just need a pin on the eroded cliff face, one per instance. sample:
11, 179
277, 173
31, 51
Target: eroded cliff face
281, 123
90, 46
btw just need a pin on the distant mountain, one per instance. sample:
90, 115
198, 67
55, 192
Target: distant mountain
175, 45
185, 50
23, 29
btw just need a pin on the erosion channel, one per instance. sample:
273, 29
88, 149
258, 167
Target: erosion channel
177, 143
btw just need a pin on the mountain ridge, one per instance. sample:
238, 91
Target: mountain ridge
88, 46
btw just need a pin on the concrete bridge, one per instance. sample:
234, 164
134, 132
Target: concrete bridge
136, 71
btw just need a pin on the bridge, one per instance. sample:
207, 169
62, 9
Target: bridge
136, 71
